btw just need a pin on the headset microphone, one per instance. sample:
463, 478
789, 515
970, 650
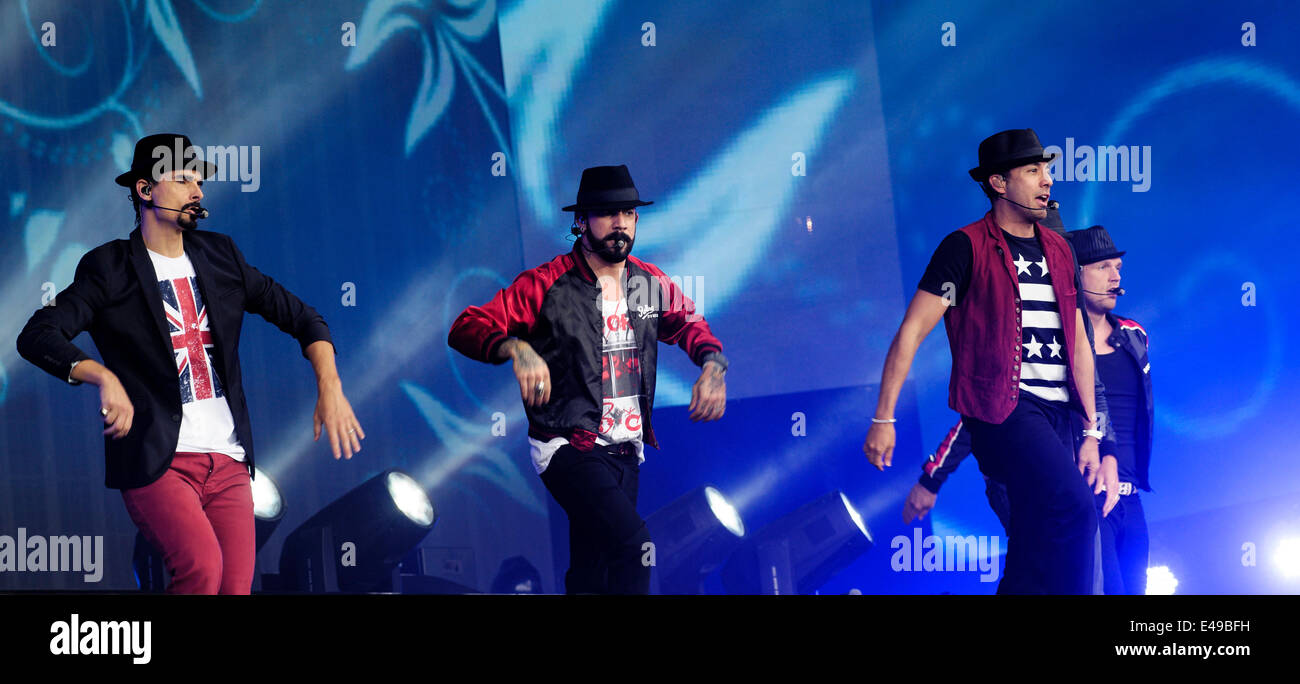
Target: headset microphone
1117, 291
200, 214
145, 191
1051, 204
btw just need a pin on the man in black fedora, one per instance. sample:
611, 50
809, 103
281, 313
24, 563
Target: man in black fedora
165, 307
582, 331
1122, 363
1021, 363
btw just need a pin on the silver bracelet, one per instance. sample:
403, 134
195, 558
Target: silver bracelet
884, 420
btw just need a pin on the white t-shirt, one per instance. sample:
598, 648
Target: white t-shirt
206, 422
620, 379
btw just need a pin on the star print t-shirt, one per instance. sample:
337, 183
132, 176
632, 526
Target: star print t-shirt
206, 422
1042, 355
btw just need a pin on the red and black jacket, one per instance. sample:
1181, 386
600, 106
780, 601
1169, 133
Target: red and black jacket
556, 308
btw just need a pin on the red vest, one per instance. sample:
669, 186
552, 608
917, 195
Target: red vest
984, 328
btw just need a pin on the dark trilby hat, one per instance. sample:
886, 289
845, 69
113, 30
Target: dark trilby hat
1007, 150
1092, 245
606, 187
159, 153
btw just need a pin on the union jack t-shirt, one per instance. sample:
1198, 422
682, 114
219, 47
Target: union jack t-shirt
206, 422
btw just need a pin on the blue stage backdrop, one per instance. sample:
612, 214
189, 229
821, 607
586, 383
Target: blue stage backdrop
392, 162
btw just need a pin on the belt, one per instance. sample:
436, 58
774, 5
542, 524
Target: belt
626, 449
1125, 488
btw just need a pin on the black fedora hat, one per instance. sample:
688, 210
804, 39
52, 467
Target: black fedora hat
1092, 245
158, 152
1007, 150
606, 187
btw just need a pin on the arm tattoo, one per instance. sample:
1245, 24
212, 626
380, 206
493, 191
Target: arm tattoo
527, 358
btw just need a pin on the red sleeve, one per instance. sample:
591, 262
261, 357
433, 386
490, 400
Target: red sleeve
678, 322
479, 330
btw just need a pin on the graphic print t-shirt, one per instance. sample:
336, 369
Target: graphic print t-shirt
1042, 354
620, 377
1042, 348
206, 422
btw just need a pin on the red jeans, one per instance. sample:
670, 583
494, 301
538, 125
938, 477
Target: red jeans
199, 515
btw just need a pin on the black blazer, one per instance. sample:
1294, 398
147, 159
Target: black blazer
115, 296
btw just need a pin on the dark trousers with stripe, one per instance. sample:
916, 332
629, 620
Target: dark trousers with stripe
607, 537
1053, 519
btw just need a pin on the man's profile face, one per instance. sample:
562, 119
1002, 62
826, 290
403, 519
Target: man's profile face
177, 190
1029, 185
1101, 277
603, 229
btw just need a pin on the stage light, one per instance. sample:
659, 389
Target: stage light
692, 536
725, 512
517, 576
1161, 581
857, 518
410, 498
1286, 557
800, 552
268, 506
356, 543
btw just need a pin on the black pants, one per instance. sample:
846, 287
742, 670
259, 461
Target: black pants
607, 538
1053, 520
1124, 545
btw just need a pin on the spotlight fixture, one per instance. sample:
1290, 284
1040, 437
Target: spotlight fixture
356, 543
268, 506
693, 535
1161, 581
800, 552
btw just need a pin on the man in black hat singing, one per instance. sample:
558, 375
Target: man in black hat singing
582, 332
165, 307
1021, 363
1122, 363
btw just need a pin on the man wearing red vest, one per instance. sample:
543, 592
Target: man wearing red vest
1021, 362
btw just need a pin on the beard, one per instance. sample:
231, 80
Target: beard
609, 250
185, 220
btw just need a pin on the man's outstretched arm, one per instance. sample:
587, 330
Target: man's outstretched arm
922, 315
333, 412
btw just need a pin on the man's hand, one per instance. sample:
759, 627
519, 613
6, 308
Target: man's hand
879, 446
709, 395
1089, 462
115, 406
1110, 479
334, 413
919, 502
531, 371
